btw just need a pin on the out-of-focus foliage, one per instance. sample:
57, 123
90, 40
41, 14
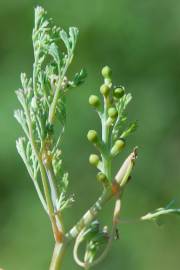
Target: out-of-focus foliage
140, 40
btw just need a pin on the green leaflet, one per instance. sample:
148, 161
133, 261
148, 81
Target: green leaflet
156, 214
69, 41
121, 105
79, 78
54, 52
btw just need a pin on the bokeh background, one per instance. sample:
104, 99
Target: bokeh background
140, 40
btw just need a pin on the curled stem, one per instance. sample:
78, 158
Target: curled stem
101, 257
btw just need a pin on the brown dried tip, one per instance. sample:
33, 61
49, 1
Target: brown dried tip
135, 151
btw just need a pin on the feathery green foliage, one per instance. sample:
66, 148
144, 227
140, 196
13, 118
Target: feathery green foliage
43, 119
43, 98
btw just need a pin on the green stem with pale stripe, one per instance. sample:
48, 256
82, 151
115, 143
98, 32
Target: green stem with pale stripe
107, 194
43, 174
106, 141
91, 214
58, 255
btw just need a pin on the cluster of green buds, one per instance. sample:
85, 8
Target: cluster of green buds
110, 106
111, 110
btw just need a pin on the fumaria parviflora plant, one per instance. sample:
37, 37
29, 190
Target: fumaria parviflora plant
43, 116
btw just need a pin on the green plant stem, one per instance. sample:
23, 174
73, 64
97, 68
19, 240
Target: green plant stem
58, 255
52, 109
36, 185
43, 175
90, 215
110, 192
106, 140
54, 196
35, 68
84, 263
113, 190
40, 195
52, 183
87, 218
151, 216
114, 226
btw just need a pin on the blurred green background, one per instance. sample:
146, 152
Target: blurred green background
140, 40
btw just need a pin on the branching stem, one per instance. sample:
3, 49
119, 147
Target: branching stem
43, 102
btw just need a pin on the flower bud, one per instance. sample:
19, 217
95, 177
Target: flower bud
101, 177
119, 92
92, 136
118, 146
112, 112
94, 159
104, 89
110, 121
106, 72
94, 101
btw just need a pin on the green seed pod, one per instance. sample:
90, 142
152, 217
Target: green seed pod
112, 112
92, 136
94, 101
119, 92
104, 89
118, 146
106, 72
94, 159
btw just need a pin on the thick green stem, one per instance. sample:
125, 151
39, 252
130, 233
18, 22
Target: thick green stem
57, 257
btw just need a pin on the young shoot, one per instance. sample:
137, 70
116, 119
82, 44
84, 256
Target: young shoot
42, 117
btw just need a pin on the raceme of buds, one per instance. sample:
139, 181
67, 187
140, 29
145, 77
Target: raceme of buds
92, 136
94, 101
94, 159
118, 146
